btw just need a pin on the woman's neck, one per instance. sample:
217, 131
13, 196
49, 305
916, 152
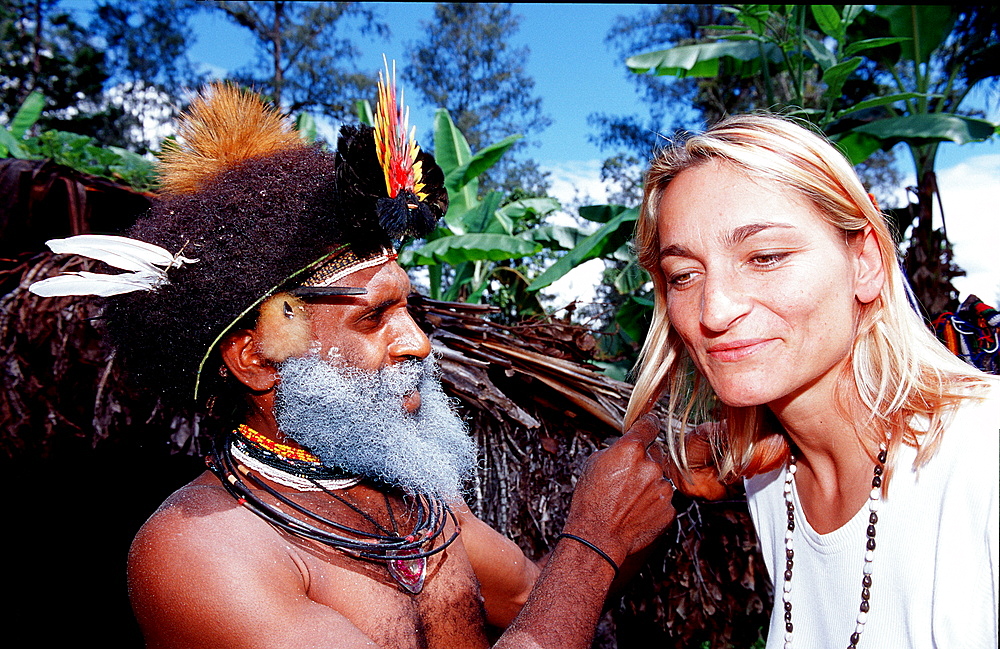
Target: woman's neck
834, 468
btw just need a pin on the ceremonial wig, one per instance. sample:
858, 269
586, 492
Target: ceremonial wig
898, 367
257, 211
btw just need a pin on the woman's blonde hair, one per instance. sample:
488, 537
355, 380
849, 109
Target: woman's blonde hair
899, 368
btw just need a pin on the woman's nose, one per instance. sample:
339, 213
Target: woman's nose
723, 302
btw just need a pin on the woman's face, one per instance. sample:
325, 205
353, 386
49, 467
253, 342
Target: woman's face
760, 288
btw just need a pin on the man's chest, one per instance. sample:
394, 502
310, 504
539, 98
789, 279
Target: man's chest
446, 613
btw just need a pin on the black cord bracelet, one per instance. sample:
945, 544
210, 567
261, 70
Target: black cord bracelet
611, 562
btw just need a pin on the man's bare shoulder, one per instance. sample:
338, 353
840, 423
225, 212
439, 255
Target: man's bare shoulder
201, 516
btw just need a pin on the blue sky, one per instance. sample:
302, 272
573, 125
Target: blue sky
574, 72
576, 75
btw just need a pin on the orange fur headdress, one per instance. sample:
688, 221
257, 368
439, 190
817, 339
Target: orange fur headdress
224, 127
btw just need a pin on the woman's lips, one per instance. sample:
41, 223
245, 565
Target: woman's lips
736, 350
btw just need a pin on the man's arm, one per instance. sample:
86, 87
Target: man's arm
505, 575
621, 505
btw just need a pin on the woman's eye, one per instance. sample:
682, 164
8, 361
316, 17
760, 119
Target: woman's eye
680, 279
769, 259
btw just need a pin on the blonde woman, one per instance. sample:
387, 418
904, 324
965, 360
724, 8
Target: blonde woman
781, 313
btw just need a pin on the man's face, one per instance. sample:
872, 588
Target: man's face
373, 331
367, 399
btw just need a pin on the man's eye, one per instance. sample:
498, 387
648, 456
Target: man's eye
372, 317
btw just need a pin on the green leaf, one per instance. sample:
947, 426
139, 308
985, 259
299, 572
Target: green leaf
706, 59
829, 21
871, 43
617, 371
11, 146
130, 163
474, 247
485, 158
27, 114
451, 151
856, 147
743, 37
882, 101
608, 238
927, 25
631, 278
633, 317
486, 218
601, 213
364, 112
465, 274
823, 56
531, 206
306, 126
555, 237
851, 12
835, 77
754, 17
925, 129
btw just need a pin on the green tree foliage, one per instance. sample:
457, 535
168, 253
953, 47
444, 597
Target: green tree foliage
145, 47
669, 105
689, 101
148, 42
71, 149
467, 66
922, 60
43, 49
305, 53
483, 250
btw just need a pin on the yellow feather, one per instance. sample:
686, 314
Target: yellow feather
224, 127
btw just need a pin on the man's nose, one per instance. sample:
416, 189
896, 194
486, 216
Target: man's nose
408, 340
723, 302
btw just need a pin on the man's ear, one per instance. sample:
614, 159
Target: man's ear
870, 273
241, 354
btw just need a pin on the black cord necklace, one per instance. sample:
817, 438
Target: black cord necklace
405, 555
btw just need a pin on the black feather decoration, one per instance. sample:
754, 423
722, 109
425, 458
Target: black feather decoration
367, 215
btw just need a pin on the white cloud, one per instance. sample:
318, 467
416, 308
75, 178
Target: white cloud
577, 181
970, 192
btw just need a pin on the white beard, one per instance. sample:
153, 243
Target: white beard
354, 420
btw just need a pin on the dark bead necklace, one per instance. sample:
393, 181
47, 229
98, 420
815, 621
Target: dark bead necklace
404, 553
874, 498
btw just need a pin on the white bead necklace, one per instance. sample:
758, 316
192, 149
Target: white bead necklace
866, 581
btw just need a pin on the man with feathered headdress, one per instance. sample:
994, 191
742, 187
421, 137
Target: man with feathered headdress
263, 286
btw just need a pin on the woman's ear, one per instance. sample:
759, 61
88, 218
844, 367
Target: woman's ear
870, 273
241, 354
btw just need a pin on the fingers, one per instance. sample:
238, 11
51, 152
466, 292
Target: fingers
644, 430
655, 453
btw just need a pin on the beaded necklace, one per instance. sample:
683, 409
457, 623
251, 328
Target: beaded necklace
874, 498
404, 553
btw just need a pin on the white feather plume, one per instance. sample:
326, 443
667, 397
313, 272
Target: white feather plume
143, 259
84, 283
120, 252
